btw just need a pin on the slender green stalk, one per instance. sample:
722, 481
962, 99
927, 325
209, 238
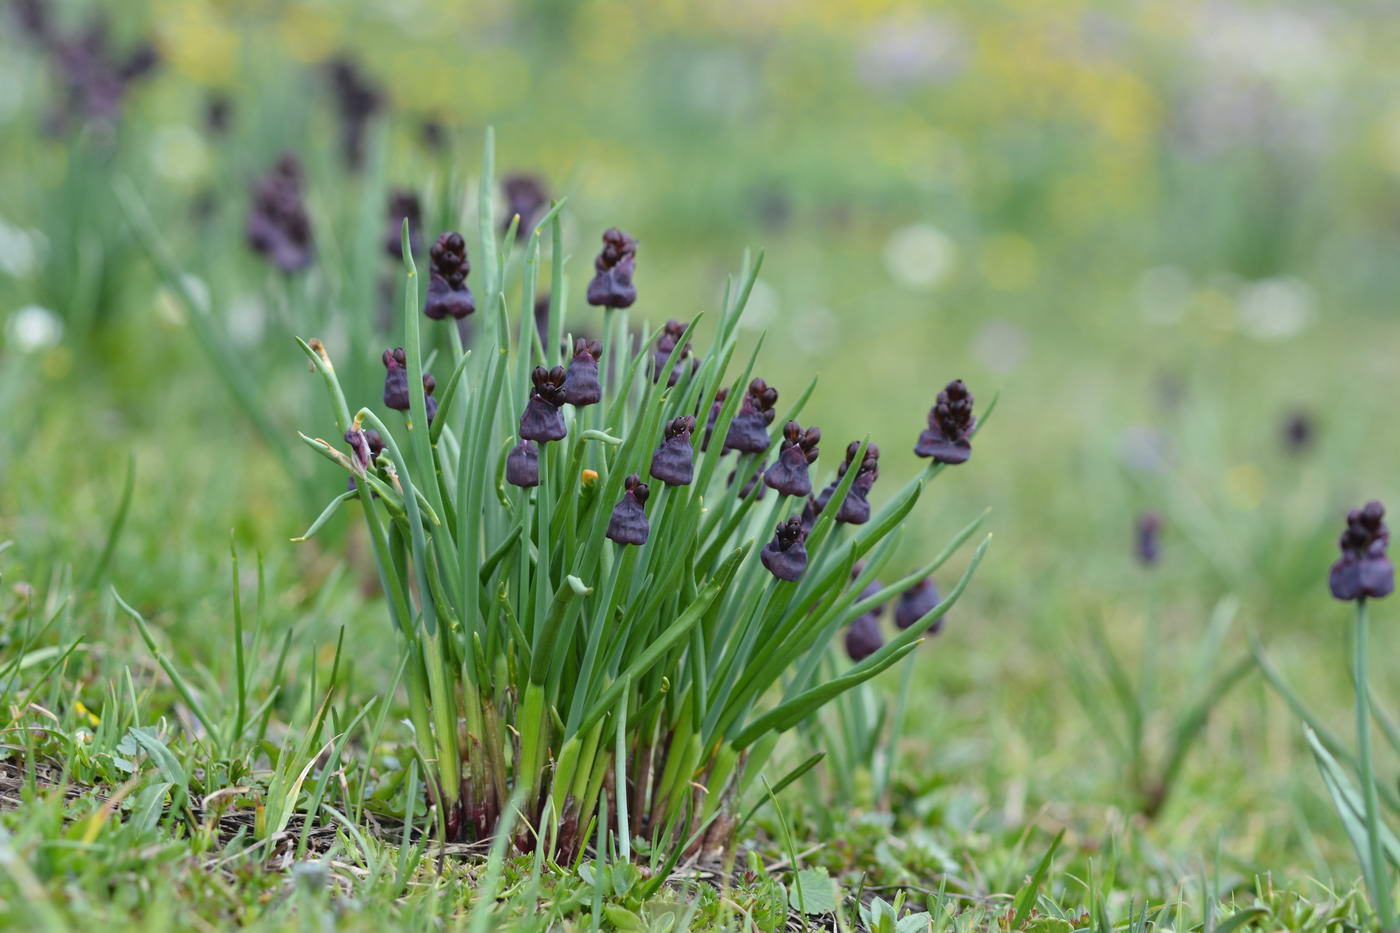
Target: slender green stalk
1379, 870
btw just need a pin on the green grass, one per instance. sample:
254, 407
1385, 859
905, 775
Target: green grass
160, 774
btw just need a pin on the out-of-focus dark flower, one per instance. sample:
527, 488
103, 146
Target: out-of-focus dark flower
748, 432
612, 279
628, 524
581, 385
218, 113
403, 205
855, 509
526, 197
32, 17
721, 395
666, 345
523, 464
358, 100
917, 602
1147, 538
1298, 432
94, 77
674, 462
1364, 570
863, 637
950, 422
448, 294
788, 474
396, 384
786, 555
542, 420
278, 226
433, 134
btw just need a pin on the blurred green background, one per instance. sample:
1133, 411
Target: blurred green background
1160, 231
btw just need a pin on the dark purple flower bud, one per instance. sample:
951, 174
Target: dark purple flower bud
665, 345
612, 280
279, 228
1147, 537
218, 113
525, 197
1364, 570
358, 101
433, 134
950, 422
674, 462
917, 602
855, 510
786, 555
396, 379
403, 205
720, 395
523, 464
864, 637
789, 474
542, 420
748, 432
365, 444
1298, 432
448, 294
628, 524
581, 385
141, 62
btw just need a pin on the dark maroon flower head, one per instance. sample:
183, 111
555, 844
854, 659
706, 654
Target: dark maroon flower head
789, 474
279, 228
358, 100
612, 279
542, 420
365, 444
917, 602
674, 460
218, 113
396, 383
448, 294
855, 510
628, 524
523, 464
581, 385
786, 555
433, 134
1147, 538
721, 395
666, 344
403, 205
1298, 432
950, 424
748, 432
1364, 570
526, 197
863, 637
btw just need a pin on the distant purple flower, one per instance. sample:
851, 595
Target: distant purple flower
358, 100
526, 197
665, 350
1148, 538
1363, 570
218, 113
863, 637
788, 474
581, 385
628, 524
786, 555
433, 134
721, 394
1298, 432
94, 76
542, 420
674, 460
950, 424
855, 508
612, 280
403, 205
917, 602
523, 464
278, 226
448, 266
748, 432
750, 484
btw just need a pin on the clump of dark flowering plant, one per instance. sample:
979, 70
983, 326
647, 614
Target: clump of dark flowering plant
594, 657
612, 272
279, 228
358, 100
448, 267
948, 437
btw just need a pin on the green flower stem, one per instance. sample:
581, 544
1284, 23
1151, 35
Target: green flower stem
1379, 870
